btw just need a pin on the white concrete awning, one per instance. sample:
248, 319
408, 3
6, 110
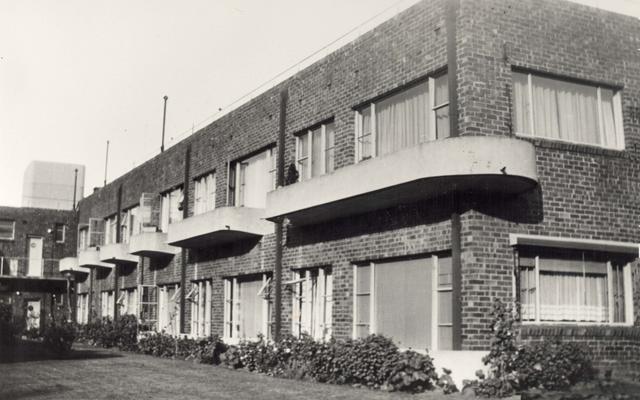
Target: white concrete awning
611, 246
90, 258
462, 164
71, 264
117, 253
151, 244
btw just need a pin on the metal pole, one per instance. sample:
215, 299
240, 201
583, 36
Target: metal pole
164, 118
106, 162
75, 187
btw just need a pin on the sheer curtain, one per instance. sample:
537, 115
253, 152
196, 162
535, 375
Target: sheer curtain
573, 290
250, 308
402, 120
257, 181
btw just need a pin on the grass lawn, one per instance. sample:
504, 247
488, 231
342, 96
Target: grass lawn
90, 373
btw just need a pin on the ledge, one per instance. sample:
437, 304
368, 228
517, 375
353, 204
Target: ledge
70, 264
151, 244
117, 253
516, 239
90, 258
600, 331
491, 164
222, 225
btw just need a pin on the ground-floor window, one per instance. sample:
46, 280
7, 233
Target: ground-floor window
200, 298
128, 301
82, 308
558, 285
407, 300
312, 302
106, 304
169, 309
247, 307
148, 307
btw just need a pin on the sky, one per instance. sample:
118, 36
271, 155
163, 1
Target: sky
76, 73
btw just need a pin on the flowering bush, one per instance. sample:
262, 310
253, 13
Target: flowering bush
373, 362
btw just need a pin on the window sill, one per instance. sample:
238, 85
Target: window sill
559, 144
532, 330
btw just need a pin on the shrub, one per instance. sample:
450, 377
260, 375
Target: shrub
8, 329
552, 365
59, 337
206, 351
106, 333
512, 367
373, 362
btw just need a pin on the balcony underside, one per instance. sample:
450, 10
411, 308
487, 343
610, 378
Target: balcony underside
467, 164
117, 253
90, 258
32, 284
70, 264
151, 244
219, 226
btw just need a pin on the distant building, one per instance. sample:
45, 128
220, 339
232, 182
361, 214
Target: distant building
50, 185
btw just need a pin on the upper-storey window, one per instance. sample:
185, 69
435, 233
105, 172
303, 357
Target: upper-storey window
574, 286
572, 112
315, 151
171, 210
251, 178
205, 193
415, 115
83, 238
7, 229
111, 227
130, 224
60, 231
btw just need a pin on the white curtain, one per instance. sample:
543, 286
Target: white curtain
564, 110
316, 152
573, 297
402, 120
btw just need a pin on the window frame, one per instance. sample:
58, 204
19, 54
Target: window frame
627, 286
432, 108
324, 150
235, 175
165, 210
204, 202
435, 302
616, 100
13, 230
303, 312
201, 298
64, 232
233, 310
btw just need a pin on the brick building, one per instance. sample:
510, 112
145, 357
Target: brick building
36, 246
460, 152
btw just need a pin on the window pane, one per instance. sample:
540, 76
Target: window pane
6, 229
573, 297
442, 122
444, 307
444, 271
608, 135
363, 309
250, 308
316, 156
442, 90
521, 105
617, 285
365, 136
364, 279
303, 156
362, 331
402, 120
403, 302
329, 147
445, 338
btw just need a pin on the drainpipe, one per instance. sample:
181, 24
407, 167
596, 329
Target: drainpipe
185, 215
91, 273
277, 278
452, 7
116, 268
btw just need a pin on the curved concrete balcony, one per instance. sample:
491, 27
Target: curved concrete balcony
463, 164
117, 253
151, 244
71, 264
218, 226
90, 258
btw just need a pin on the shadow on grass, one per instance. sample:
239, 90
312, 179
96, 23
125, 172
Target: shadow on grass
25, 351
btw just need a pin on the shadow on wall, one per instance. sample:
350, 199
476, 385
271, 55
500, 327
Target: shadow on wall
227, 250
521, 208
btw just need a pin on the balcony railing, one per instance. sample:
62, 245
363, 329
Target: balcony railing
28, 267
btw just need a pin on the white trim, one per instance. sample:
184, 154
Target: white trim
611, 246
435, 303
354, 332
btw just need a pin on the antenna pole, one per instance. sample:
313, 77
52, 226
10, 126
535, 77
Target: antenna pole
75, 187
106, 163
164, 118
